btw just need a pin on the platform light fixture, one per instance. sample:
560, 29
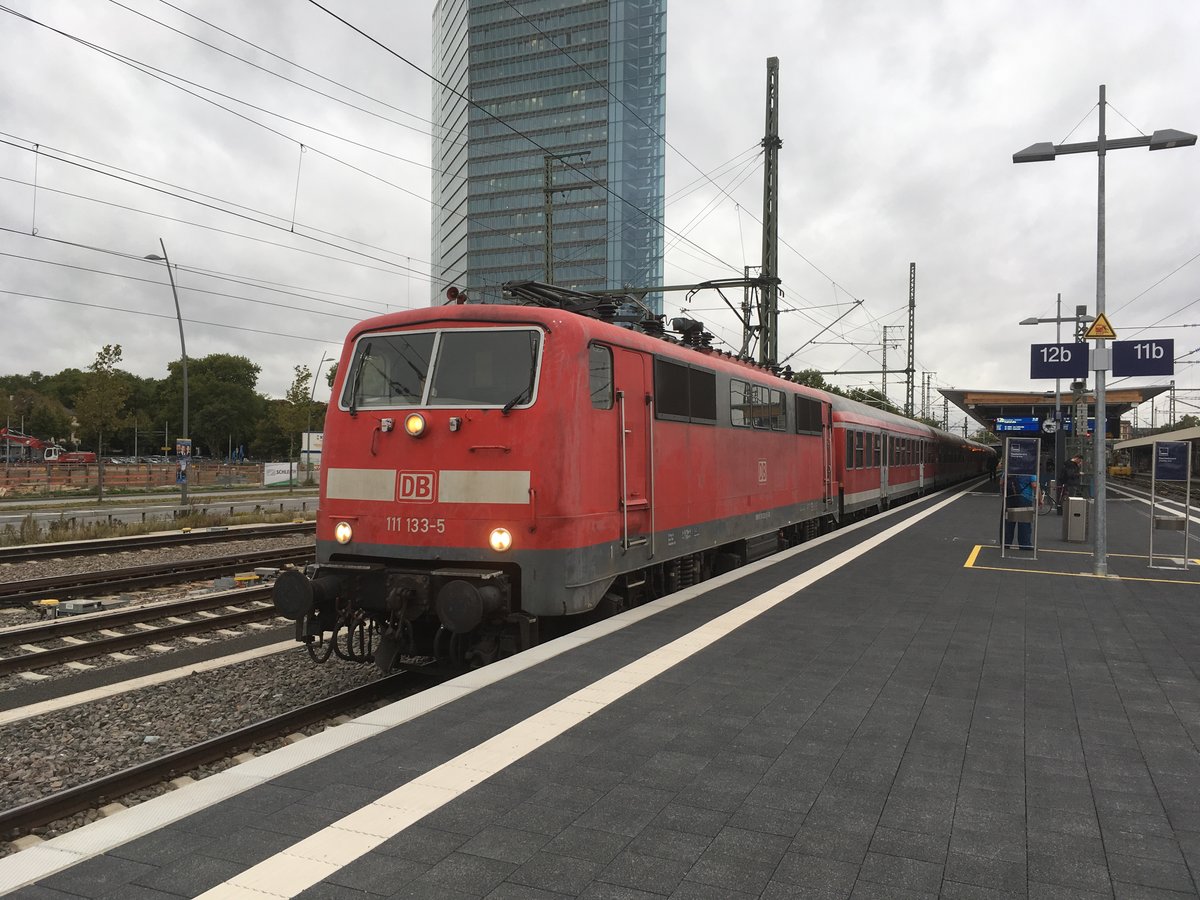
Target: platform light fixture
183, 484
1164, 139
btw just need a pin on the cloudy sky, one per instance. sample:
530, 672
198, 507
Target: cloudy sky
899, 120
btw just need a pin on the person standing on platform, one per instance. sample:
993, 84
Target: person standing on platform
1068, 482
1020, 491
993, 464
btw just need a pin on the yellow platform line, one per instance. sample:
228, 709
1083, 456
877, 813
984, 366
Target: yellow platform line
974, 555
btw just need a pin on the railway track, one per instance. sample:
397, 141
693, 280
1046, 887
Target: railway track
60, 587
62, 549
22, 819
238, 608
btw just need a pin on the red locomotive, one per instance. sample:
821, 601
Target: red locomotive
487, 467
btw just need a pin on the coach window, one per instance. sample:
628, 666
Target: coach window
849, 449
878, 439
600, 376
858, 449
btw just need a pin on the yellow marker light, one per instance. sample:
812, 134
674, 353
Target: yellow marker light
500, 539
414, 424
342, 532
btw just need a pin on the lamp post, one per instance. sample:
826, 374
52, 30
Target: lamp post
312, 399
183, 492
1079, 319
1163, 139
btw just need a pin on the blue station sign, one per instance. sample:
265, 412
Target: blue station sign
1058, 361
1156, 357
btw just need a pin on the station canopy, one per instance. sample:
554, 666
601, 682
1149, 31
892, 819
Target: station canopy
1022, 412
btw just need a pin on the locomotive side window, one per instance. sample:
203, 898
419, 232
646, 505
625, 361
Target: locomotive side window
702, 396
389, 370
485, 368
777, 412
741, 403
600, 376
808, 415
671, 388
684, 392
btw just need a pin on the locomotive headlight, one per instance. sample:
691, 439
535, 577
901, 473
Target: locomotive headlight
414, 424
342, 532
500, 539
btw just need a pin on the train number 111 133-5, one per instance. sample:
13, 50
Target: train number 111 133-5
416, 525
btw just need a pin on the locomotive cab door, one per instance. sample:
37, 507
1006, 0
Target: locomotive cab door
635, 448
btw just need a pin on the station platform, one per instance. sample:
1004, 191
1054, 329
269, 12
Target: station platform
898, 709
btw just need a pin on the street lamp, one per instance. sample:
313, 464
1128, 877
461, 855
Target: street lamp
1164, 139
312, 399
183, 483
1079, 319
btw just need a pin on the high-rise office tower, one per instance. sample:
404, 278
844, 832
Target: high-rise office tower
569, 93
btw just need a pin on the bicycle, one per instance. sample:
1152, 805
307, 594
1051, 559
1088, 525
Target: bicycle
1046, 502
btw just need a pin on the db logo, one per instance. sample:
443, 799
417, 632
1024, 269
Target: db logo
762, 471
416, 486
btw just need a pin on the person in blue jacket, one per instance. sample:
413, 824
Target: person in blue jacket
1020, 491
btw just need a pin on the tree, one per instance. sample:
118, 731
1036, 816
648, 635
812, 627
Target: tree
100, 406
223, 406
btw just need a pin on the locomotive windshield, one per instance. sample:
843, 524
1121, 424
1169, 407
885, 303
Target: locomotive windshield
454, 367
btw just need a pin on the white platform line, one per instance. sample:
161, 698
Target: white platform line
313, 859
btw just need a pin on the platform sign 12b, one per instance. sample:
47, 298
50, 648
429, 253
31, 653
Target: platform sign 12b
1058, 361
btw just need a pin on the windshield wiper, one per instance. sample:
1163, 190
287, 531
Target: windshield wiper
362, 364
514, 401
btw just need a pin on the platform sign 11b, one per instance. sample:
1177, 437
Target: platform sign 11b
1156, 357
1058, 361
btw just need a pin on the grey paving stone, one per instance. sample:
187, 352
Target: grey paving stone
669, 844
730, 872
554, 872
505, 843
1000, 874
423, 844
466, 873
587, 843
509, 891
753, 817
1169, 875
599, 890
902, 872
376, 874
189, 875
751, 845
693, 890
649, 873
954, 890
910, 844
808, 872
692, 819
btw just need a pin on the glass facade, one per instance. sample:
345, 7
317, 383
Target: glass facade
583, 82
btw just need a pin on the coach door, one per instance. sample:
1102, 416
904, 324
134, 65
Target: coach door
635, 447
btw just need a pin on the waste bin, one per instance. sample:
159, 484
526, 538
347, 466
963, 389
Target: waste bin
1075, 519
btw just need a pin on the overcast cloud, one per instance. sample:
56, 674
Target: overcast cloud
899, 121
